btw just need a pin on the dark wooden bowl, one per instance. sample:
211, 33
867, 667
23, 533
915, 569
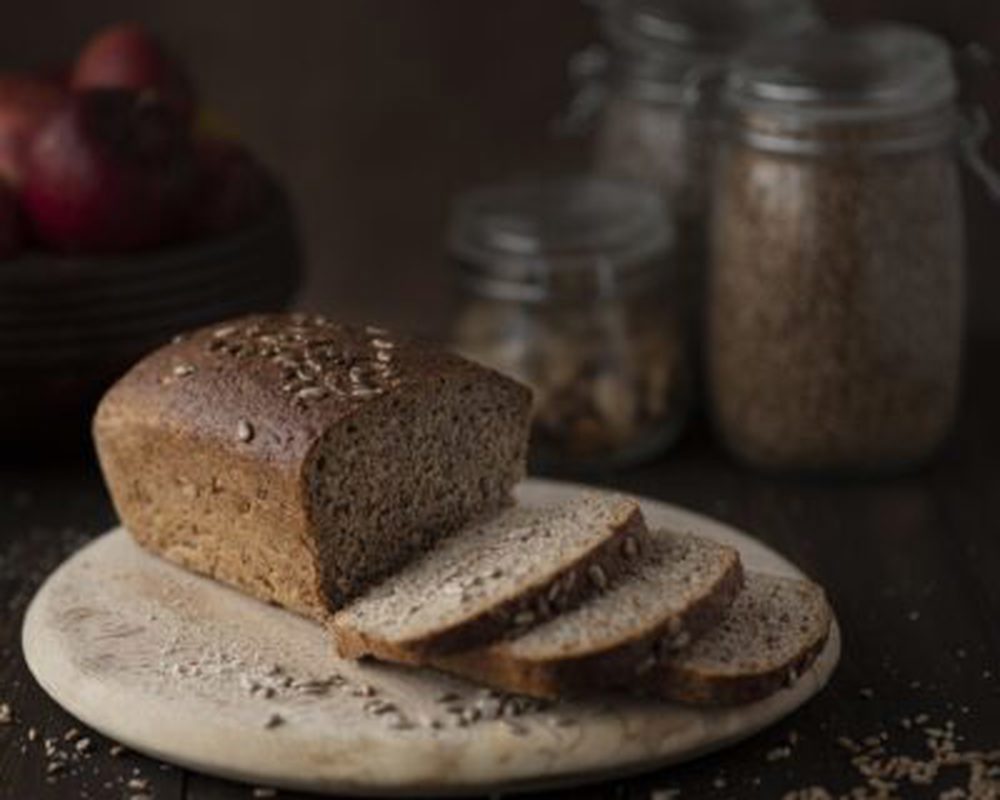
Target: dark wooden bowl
70, 326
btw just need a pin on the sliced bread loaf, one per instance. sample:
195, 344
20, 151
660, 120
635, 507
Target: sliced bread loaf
772, 633
680, 588
516, 570
303, 460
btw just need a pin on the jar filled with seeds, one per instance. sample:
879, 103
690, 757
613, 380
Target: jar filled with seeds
835, 307
567, 284
651, 123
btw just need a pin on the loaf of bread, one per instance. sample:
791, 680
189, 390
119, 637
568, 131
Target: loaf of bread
302, 460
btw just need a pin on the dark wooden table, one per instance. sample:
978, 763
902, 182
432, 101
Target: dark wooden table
912, 565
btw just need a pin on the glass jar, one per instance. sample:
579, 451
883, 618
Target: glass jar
651, 124
835, 305
567, 286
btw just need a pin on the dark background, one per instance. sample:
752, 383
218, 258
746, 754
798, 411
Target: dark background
375, 111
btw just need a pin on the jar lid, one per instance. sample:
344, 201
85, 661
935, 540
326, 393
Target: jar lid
656, 27
866, 71
533, 236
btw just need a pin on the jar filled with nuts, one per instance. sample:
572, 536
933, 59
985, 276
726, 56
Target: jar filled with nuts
567, 285
835, 309
653, 123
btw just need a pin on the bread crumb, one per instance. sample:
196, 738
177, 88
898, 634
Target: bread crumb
274, 721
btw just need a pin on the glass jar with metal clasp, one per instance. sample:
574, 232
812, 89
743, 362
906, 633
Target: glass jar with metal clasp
836, 296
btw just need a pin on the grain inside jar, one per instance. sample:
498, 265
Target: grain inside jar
656, 119
836, 294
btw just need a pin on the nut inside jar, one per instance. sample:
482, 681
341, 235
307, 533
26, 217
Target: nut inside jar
609, 380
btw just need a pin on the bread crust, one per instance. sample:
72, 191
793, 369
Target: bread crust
684, 686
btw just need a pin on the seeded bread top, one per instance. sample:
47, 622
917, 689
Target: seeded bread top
490, 564
772, 621
273, 383
675, 573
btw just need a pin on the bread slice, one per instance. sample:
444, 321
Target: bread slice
680, 588
304, 460
516, 570
772, 633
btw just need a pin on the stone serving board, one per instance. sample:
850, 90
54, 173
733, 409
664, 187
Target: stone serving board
189, 671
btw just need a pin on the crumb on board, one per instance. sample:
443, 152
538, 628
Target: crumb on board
273, 721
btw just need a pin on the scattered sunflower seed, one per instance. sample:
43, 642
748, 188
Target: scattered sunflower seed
597, 576
311, 393
244, 431
524, 618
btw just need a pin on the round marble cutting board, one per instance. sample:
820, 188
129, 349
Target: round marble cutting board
189, 671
